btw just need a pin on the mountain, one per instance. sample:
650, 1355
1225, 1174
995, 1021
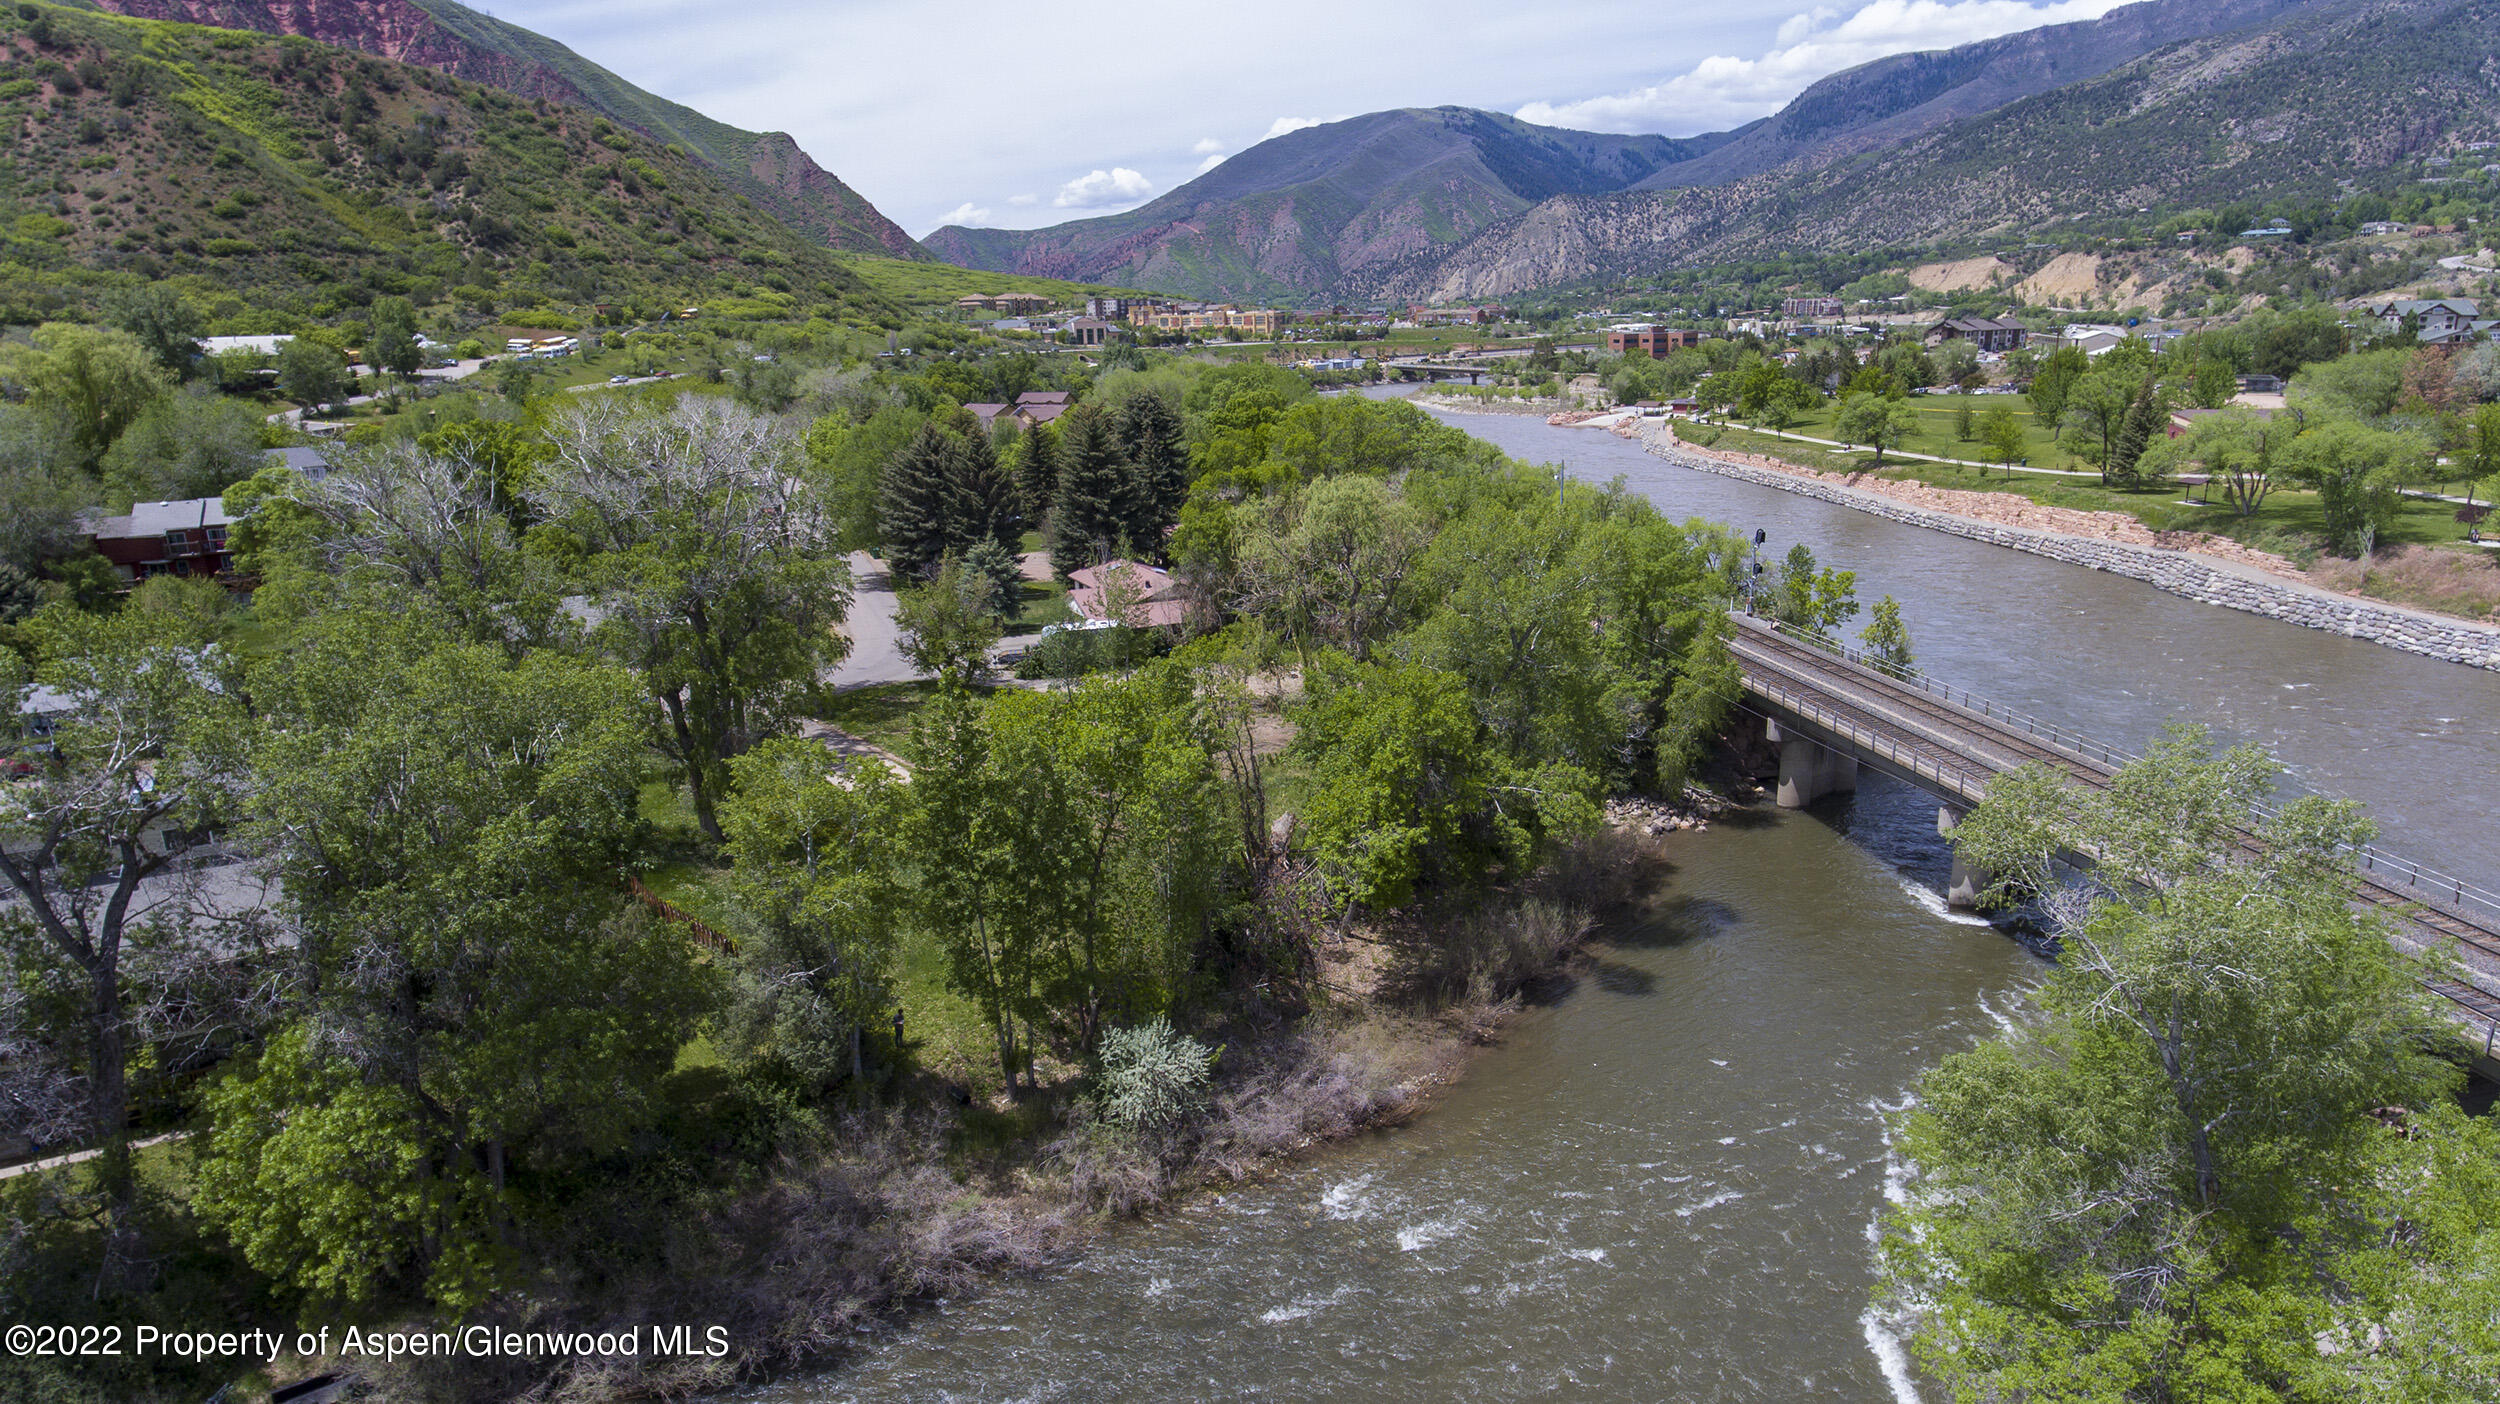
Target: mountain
1357, 206
2283, 110
1316, 208
767, 167
283, 180
1893, 99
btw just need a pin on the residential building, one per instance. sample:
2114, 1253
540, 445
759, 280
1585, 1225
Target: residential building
2437, 319
2092, 339
1649, 339
1999, 334
165, 538
1153, 599
1109, 309
1812, 309
987, 413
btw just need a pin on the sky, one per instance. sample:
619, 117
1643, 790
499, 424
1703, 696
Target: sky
1022, 113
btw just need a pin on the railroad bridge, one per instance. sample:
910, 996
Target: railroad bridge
1831, 710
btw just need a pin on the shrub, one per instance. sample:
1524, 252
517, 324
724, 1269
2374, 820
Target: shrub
1151, 1076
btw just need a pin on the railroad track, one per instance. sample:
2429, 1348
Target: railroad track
1965, 747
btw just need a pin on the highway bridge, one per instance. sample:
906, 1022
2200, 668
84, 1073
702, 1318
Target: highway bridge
1831, 710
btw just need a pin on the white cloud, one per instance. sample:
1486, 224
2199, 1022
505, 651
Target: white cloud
1022, 200
1207, 146
1100, 189
966, 214
1724, 90
1213, 160
1283, 125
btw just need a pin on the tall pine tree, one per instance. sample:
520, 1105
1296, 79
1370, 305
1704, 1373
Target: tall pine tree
1150, 433
2144, 419
916, 503
1037, 470
984, 506
1086, 523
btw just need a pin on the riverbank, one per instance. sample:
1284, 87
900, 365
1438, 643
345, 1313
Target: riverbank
2196, 566
865, 1217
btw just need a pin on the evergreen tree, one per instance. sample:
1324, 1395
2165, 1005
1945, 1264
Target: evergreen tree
1150, 434
2144, 419
915, 507
1085, 519
984, 505
1037, 470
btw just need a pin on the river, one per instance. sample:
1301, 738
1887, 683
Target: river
1663, 1183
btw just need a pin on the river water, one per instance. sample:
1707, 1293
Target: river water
1662, 1185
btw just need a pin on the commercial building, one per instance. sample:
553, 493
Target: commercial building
1649, 340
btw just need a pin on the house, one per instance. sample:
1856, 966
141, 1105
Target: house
2261, 385
1987, 333
2383, 226
164, 538
987, 413
2270, 231
2092, 339
1649, 339
311, 461
976, 302
2435, 318
1021, 304
1039, 407
1153, 600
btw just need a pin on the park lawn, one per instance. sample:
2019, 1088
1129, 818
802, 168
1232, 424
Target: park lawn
2289, 522
881, 713
1938, 414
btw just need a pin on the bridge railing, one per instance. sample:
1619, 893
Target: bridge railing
1967, 779
2066, 739
2389, 870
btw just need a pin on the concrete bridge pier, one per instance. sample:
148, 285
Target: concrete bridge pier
1964, 883
1808, 770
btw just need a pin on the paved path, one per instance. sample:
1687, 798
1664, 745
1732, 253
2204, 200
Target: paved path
55, 1162
876, 640
1890, 454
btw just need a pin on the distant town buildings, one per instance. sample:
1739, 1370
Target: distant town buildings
1649, 339
1996, 334
1812, 309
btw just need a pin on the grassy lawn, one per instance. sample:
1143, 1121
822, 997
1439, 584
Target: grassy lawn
1937, 417
1042, 602
2288, 521
881, 714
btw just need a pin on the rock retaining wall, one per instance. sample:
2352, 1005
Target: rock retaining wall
2174, 571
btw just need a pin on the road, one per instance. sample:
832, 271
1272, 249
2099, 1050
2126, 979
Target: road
876, 654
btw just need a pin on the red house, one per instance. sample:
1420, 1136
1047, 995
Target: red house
159, 538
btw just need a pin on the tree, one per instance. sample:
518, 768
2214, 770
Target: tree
2237, 451
1150, 435
815, 870
983, 504
2358, 474
1886, 637
948, 624
182, 446
1965, 423
142, 770
95, 382
2365, 385
315, 376
1808, 597
392, 346
41, 488
1086, 522
2482, 461
2054, 381
2098, 406
846, 465
916, 504
1876, 422
714, 565
163, 320
482, 1012
2146, 414
1331, 563
2002, 434
2173, 1185
1037, 470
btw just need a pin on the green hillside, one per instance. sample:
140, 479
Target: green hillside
767, 167
280, 177
920, 282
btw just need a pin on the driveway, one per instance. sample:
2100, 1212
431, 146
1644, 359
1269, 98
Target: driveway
876, 641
